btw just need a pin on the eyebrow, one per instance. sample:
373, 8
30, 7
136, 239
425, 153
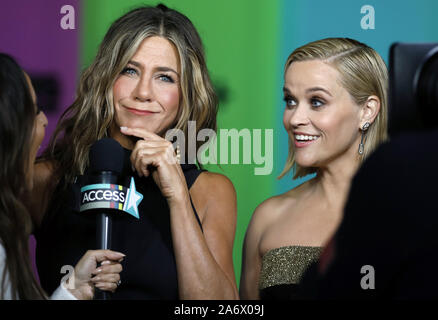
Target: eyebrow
166, 69
286, 90
319, 89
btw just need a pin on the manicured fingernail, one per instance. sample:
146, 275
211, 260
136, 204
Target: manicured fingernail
123, 128
99, 270
95, 279
105, 262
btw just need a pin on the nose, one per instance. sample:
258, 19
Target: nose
143, 91
299, 116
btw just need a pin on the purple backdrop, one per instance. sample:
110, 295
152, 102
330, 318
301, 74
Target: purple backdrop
31, 32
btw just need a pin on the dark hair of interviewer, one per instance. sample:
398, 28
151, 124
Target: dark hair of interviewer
17, 118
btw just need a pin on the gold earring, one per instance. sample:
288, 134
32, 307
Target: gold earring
178, 154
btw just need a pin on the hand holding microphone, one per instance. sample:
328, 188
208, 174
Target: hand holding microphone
103, 195
88, 274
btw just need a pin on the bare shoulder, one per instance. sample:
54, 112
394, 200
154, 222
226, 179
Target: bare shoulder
271, 211
214, 181
263, 216
288, 200
213, 190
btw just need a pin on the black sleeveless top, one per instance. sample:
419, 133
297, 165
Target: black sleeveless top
149, 268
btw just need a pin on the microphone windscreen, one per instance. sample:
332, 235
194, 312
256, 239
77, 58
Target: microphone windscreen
106, 154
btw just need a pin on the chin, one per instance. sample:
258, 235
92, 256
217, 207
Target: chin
306, 162
306, 166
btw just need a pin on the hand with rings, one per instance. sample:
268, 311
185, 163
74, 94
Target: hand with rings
154, 155
88, 275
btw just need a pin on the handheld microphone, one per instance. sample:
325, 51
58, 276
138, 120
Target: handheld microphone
106, 163
102, 193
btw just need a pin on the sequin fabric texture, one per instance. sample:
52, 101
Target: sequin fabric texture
286, 265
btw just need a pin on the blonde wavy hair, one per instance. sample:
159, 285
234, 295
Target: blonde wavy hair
362, 73
89, 118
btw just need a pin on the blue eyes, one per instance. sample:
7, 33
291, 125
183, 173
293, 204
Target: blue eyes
314, 102
165, 78
289, 101
133, 72
129, 71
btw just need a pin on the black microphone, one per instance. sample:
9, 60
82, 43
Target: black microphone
103, 194
106, 164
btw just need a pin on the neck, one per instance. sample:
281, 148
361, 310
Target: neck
333, 181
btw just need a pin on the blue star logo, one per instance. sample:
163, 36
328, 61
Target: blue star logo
133, 199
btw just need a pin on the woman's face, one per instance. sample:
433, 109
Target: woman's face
321, 118
38, 133
147, 92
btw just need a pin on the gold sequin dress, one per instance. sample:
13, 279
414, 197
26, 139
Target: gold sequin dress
282, 269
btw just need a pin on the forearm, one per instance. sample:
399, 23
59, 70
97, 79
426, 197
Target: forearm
199, 275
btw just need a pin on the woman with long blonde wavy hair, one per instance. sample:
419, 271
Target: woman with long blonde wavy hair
149, 77
335, 93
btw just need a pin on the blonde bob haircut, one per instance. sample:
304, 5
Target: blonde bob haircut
90, 116
362, 72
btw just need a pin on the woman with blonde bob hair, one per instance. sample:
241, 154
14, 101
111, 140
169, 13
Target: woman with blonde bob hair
149, 77
335, 91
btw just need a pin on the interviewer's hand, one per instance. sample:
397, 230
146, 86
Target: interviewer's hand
106, 276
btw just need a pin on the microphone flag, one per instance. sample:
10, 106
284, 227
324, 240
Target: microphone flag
111, 196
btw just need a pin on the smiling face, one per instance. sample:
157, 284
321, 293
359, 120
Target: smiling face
147, 92
321, 118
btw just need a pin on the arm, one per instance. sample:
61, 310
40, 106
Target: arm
204, 260
251, 259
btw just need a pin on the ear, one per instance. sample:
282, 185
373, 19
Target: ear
370, 110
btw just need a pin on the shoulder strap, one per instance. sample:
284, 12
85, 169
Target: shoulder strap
191, 172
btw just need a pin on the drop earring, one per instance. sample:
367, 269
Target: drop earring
364, 129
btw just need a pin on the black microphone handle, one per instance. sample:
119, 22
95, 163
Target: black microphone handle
103, 240
103, 232
103, 222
